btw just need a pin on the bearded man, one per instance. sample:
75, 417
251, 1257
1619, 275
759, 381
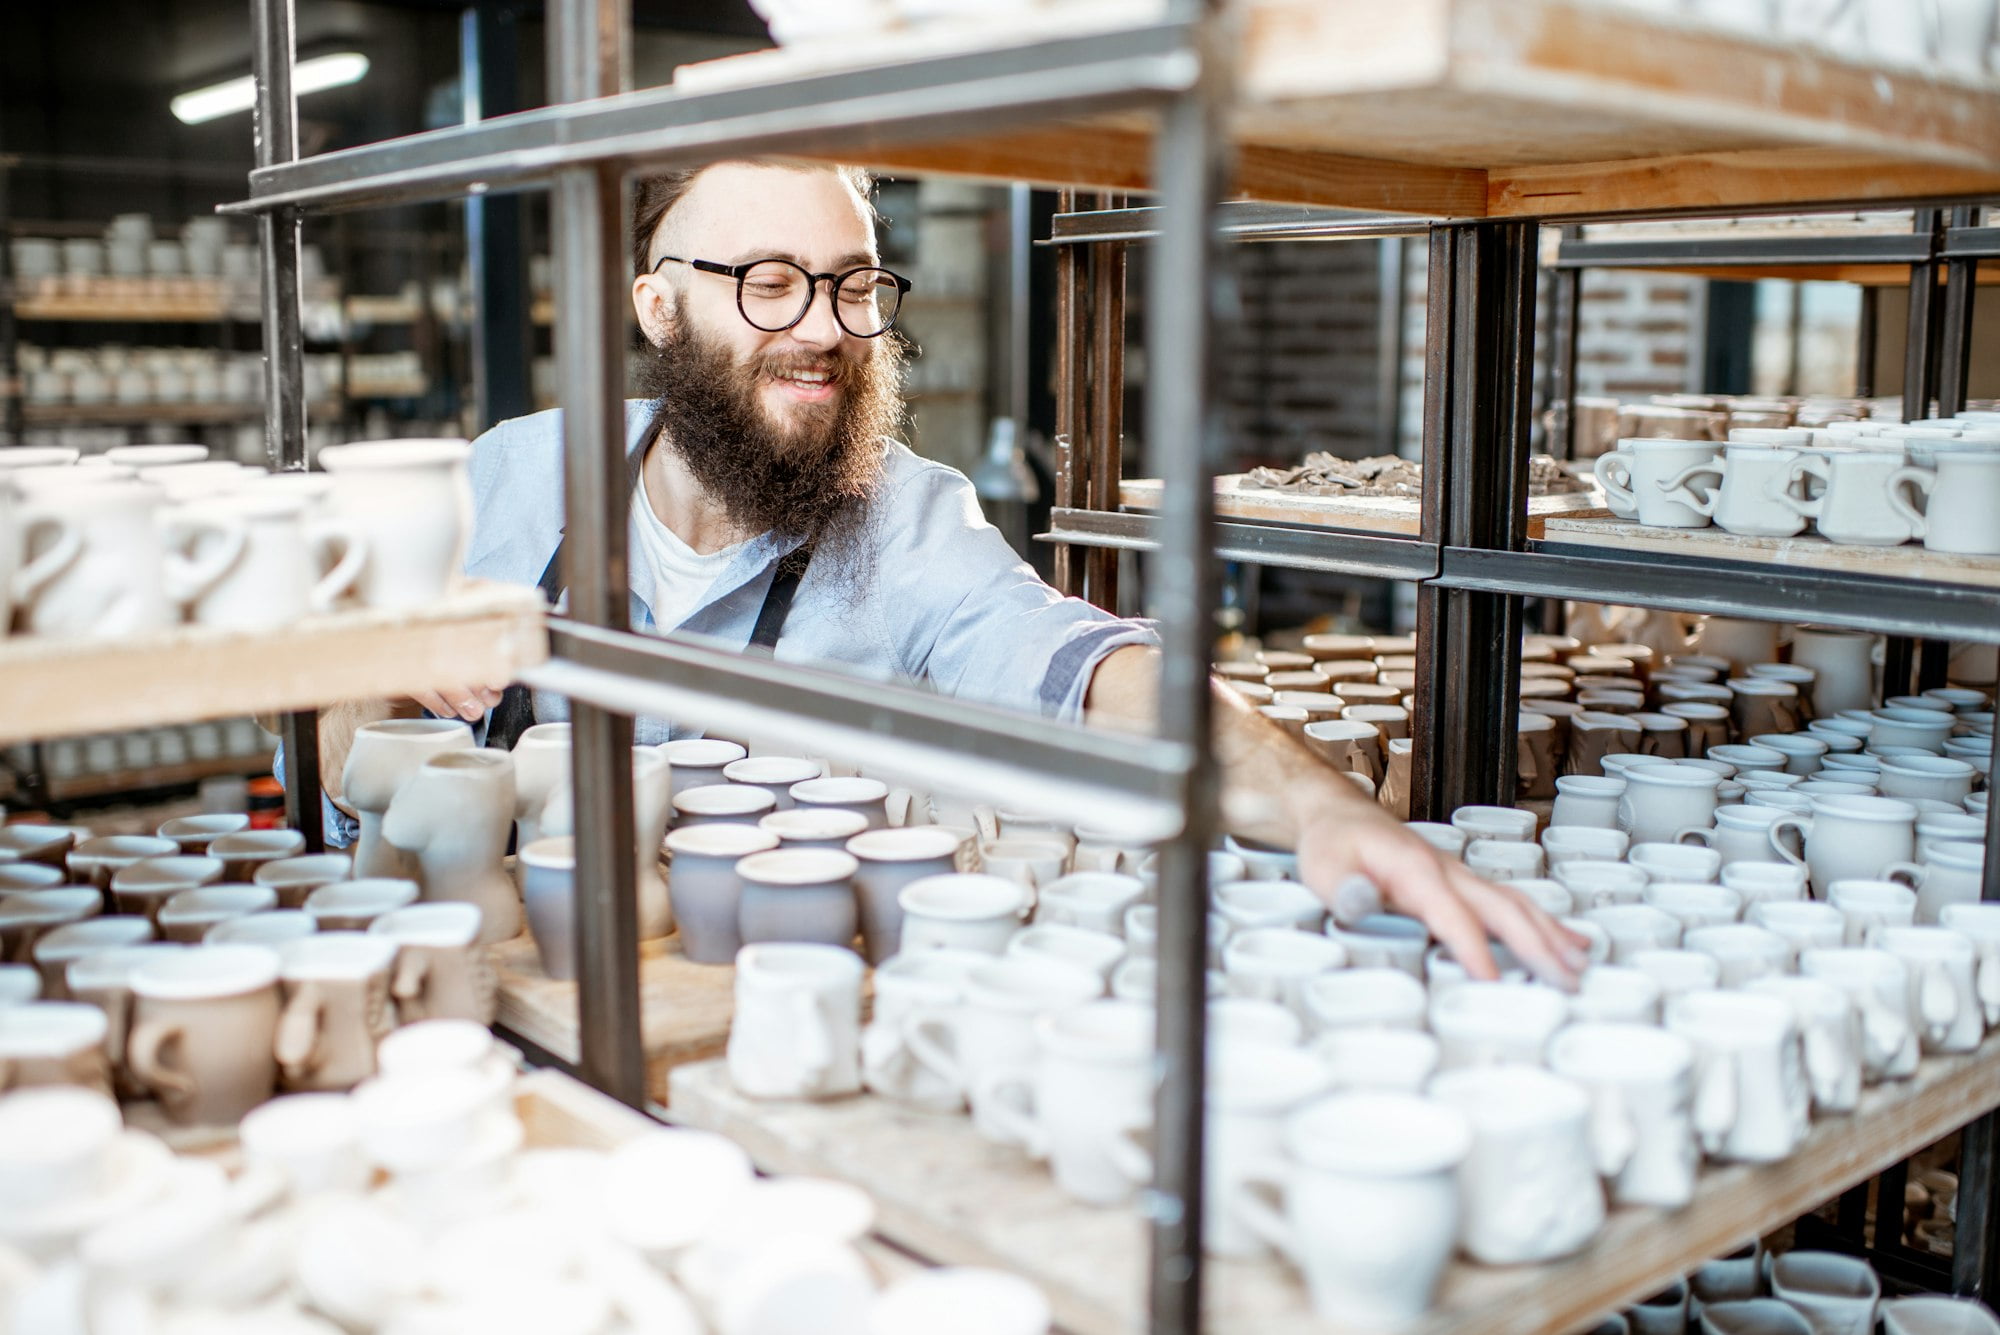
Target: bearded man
771, 505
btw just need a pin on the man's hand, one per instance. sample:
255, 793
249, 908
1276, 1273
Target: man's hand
1341, 837
467, 702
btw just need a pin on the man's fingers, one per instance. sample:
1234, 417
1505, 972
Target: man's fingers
1423, 892
1512, 919
466, 702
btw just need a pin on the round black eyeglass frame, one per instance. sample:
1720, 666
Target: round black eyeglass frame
813, 280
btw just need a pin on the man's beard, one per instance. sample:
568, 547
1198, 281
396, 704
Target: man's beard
809, 480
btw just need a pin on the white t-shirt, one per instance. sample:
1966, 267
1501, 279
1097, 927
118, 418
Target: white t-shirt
672, 577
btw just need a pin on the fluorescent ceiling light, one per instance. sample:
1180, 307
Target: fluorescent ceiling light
232, 95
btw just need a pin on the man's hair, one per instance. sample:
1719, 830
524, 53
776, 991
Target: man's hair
654, 197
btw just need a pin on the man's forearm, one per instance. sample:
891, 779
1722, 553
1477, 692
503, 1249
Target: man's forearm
1271, 781
337, 725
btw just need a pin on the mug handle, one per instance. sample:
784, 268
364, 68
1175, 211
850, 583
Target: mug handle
1701, 504
1937, 1002
324, 536
811, 1041
1700, 834
1915, 872
1250, 1201
1884, 1031
61, 554
145, 1052
1009, 1106
1802, 824
408, 983
934, 1053
1129, 1156
1620, 492
1715, 1103
189, 577
1986, 984
1783, 488
1613, 1136
1921, 479
297, 1043
1823, 1066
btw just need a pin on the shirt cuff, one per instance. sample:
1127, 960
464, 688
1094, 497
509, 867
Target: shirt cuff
339, 829
1067, 680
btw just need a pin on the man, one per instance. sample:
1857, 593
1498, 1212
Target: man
765, 437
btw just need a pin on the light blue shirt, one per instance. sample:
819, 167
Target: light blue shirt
936, 595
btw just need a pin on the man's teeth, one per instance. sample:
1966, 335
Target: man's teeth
806, 377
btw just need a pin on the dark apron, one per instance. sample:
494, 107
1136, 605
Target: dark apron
515, 713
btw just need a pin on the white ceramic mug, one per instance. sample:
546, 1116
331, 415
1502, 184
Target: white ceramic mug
1836, 1294
1944, 993
908, 988
1587, 800
962, 911
411, 503
1962, 501
1849, 838
1676, 862
1530, 1185
1661, 800
1572, 843
1752, 1103
285, 566
96, 562
1871, 908
1830, 1037
1370, 1203
796, 1032
1275, 964
1641, 1085
1877, 983
1753, 477
1740, 834
1091, 1083
1862, 502
1365, 998
1981, 924
1650, 480
1480, 1024
1951, 873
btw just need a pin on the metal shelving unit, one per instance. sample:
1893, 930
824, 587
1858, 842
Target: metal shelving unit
1185, 95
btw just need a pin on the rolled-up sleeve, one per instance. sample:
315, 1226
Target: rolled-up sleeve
973, 618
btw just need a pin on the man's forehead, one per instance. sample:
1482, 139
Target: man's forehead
742, 211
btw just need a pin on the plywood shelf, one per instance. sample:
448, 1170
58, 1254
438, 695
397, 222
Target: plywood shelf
1488, 108
1909, 561
53, 687
1388, 516
956, 1198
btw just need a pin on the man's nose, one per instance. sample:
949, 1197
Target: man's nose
819, 329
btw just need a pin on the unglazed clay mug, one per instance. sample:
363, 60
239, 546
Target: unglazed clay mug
1663, 799
1752, 1102
384, 755
962, 911
336, 1008
54, 1043
203, 1025
295, 878
796, 1032
284, 565
143, 887
353, 906
706, 890
244, 852
909, 988
1091, 1083
1830, 1037
442, 972
1369, 1201
797, 895
1649, 479
96, 861
189, 915
1641, 1085
1849, 838
56, 951
453, 814
104, 980
410, 504
1944, 994
1530, 1185
1483, 1024
548, 894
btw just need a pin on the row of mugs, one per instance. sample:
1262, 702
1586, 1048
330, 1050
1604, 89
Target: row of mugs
146, 536
1755, 1292
1933, 485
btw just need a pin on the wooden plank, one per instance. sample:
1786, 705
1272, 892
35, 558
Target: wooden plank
1368, 514
1806, 552
55, 686
1723, 180
964, 1200
684, 1007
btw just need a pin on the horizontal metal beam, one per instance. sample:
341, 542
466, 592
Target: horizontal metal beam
1015, 760
1889, 606
1337, 551
1240, 222
1972, 243
1731, 252
848, 112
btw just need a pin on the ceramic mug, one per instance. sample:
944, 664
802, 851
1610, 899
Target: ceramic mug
336, 1008
1752, 478
1090, 1085
798, 894
1586, 843
889, 861
1368, 1201
1877, 983
1752, 1102
962, 911
54, 1043
1944, 992
96, 564
1849, 838
203, 1025
1862, 497
1740, 834
548, 894
411, 504
910, 988
1649, 479
1364, 997
1950, 873
796, 1031
442, 970
1836, 1294
1962, 497
1587, 800
283, 565
706, 889
1275, 964
1663, 799
1830, 1038
1981, 924
1641, 1085
1529, 1185
1480, 1023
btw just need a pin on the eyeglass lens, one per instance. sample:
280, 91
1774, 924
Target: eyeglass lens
774, 296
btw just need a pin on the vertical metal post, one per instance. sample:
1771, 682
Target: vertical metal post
1478, 399
1975, 1257
1107, 407
1434, 687
1392, 309
1899, 665
1072, 391
1920, 363
275, 129
495, 247
1867, 326
587, 59
1961, 285
1189, 294
11, 389
1567, 306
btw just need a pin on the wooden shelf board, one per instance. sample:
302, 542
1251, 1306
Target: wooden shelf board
1909, 561
959, 1199
1389, 515
684, 1007
1487, 107
54, 687
155, 776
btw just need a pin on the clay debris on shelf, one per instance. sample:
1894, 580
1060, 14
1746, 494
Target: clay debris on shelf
1325, 474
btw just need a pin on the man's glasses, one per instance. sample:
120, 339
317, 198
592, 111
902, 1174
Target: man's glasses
774, 295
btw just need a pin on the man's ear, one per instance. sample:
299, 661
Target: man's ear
653, 301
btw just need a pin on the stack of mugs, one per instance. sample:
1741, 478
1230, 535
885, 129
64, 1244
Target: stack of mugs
210, 964
1348, 697
148, 536
1867, 483
1953, 36
415, 1204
